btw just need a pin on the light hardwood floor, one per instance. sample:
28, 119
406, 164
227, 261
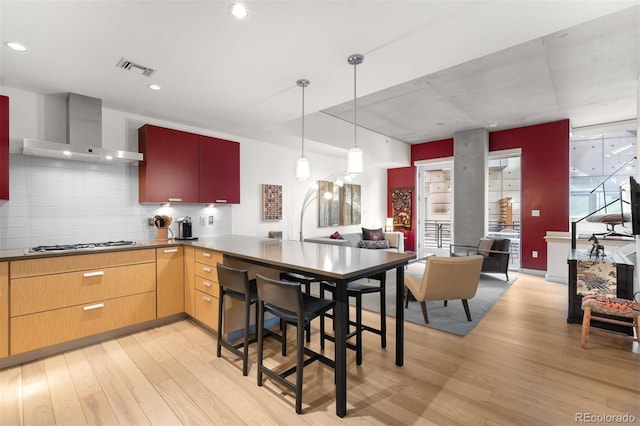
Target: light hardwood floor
522, 365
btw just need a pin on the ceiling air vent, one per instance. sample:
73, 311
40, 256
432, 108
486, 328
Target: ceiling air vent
128, 65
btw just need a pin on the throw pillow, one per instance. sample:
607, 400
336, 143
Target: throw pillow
336, 236
374, 244
372, 234
484, 246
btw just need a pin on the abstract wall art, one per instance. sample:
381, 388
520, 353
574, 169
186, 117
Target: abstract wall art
271, 203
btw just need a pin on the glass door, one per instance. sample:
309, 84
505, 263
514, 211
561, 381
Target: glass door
435, 207
504, 199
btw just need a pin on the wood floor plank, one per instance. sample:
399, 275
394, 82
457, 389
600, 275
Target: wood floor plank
250, 404
11, 397
154, 406
95, 404
123, 402
37, 407
195, 403
67, 408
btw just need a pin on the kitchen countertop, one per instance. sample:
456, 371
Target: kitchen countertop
20, 254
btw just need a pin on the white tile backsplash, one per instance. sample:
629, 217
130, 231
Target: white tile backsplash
65, 202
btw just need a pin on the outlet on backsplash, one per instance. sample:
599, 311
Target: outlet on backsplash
206, 220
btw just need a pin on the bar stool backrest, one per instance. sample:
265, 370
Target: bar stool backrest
233, 279
284, 298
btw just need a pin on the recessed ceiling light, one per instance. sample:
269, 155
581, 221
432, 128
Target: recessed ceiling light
239, 10
16, 46
154, 87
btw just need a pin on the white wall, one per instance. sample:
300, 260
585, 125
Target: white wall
60, 201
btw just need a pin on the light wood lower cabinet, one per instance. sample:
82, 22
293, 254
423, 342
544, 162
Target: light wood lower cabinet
58, 299
48, 328
207, 290
170, 280
4, 309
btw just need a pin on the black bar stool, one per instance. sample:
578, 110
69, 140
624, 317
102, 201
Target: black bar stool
305, 280
357, 290
235, 284
285, 300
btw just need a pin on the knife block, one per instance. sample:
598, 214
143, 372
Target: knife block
163, 233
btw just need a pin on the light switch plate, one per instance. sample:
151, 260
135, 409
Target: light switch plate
535, 212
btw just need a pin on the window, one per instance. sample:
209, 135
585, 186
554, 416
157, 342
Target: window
602, 159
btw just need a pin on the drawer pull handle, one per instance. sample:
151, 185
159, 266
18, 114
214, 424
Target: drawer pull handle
93, 274
206, 254
92, 307
175, 200
221, 201
206, 298
206, 283
206, 269
171, 250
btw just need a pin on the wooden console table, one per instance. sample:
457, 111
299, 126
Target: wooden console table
624, 286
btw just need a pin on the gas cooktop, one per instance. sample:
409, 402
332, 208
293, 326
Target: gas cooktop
83, 246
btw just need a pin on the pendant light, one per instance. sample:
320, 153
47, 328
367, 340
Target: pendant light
354, 156
303, 172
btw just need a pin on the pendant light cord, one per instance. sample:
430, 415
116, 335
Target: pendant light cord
355, 107
303, 86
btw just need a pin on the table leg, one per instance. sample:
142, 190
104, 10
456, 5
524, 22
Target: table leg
340, 313
399, 316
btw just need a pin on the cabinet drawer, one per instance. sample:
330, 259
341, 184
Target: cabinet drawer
207, 309
206, 271
79, 262
208, 257
34, 331
212, 288
41, 293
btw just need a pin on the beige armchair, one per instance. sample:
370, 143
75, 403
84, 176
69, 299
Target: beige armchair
443, 278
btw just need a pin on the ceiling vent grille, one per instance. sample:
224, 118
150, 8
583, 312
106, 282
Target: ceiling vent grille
128, 65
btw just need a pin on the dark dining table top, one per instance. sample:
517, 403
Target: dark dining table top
337, 262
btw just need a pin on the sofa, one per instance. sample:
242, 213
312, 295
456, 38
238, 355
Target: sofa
395, 239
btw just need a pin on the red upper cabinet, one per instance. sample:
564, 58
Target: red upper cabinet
219, 171
169, 170
4, 148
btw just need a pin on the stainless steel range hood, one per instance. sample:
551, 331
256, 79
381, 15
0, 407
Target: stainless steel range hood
84, 137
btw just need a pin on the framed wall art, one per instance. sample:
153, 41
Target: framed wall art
271, 203
344, 206
401, 207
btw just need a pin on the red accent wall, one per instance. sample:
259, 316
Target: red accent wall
4, 148
544, 184
432, 150
544, 181
403, 177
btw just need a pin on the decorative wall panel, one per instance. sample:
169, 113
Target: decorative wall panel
271, 202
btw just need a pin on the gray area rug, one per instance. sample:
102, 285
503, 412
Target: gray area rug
451, 318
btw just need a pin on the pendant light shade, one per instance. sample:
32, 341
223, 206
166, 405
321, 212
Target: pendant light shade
303, 171
354, 161
355, 165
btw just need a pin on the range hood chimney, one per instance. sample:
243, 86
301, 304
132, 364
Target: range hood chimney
84, 137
